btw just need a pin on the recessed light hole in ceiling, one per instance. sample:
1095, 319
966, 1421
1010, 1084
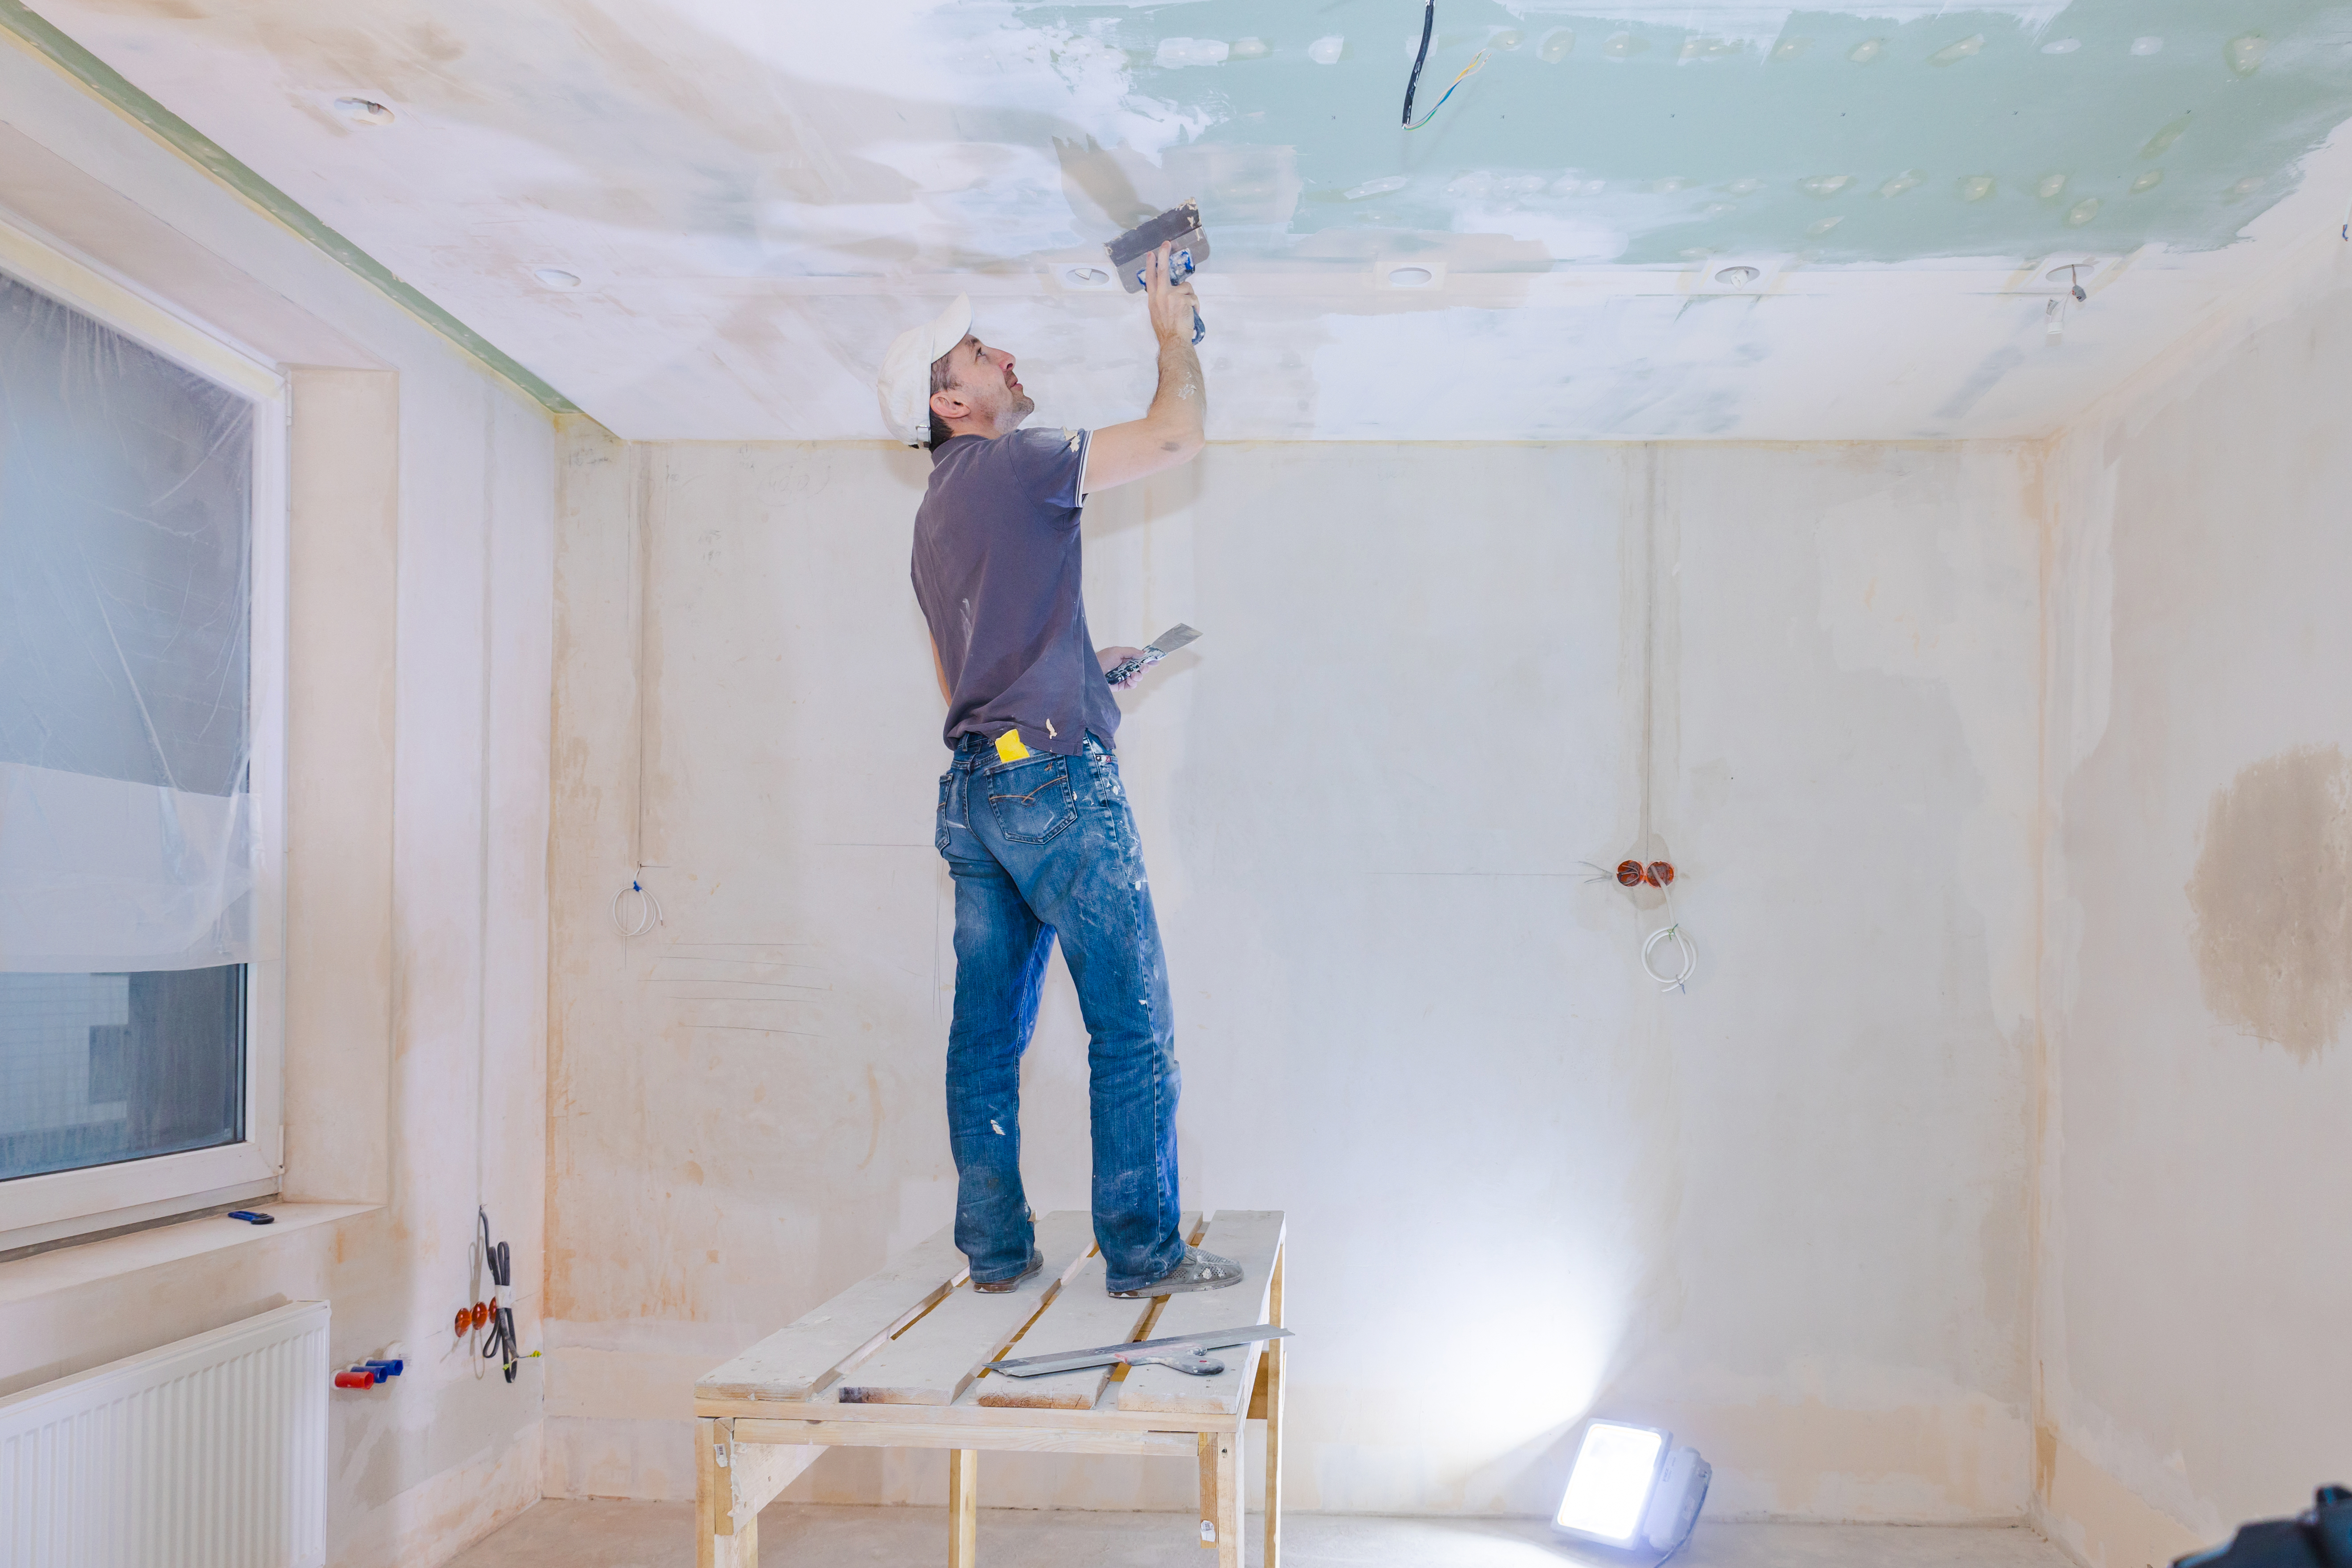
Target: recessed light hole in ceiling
1085, 277
556, 278
1738, 276
363, 111
1411, 278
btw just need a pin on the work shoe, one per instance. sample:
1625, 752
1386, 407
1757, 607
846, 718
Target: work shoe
999, 1287
1197, 1270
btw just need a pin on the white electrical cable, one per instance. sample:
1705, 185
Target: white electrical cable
649, 913
1671, 931
1690, 958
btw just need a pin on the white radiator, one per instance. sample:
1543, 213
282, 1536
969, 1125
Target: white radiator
209, 1452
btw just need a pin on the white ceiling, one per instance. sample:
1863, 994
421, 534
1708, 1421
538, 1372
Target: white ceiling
755, 198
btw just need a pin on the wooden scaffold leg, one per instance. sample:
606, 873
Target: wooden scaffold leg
964, 1508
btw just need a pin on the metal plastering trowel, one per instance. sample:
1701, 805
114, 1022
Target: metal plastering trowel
1185, 1352
1160, 648
1178, 226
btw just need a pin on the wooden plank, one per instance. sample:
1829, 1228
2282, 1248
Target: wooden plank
1251, 1237
1276, 1357
796, 1360
964, 1508
991, 1439
940, 1354
739, 1546
1229, 1497
709, 1491
1083, 1316
1211, 1445
1106, 1417
762, 1470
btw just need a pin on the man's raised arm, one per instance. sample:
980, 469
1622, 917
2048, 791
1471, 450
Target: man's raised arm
1170, 433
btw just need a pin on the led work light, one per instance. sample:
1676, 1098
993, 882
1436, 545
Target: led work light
1631, 1488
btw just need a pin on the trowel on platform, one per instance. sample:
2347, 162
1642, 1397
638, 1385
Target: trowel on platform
1179, 227
1184, 1353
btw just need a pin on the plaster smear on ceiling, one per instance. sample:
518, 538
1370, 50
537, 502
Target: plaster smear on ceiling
755, 197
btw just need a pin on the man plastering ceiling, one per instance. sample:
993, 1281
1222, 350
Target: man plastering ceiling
1033, 820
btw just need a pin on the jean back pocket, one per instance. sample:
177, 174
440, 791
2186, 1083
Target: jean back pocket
1032, 800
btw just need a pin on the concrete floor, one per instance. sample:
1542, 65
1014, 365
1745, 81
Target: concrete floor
557, 1534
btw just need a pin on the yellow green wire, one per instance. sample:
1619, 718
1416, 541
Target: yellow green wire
1476, 61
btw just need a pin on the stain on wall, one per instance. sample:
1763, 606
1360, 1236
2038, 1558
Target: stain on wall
2272, 895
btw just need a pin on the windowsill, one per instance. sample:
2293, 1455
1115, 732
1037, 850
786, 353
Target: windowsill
68, 1267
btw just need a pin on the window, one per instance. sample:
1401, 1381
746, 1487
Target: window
141, 539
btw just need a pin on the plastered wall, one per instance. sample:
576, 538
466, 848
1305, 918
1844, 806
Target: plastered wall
421, 561
2193, 1291
1785, 1214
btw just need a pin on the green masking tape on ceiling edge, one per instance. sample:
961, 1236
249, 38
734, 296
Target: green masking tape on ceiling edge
201, 150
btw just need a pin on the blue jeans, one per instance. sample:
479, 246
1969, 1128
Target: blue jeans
1038, 847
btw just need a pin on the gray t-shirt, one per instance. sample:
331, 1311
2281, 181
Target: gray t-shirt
996, 571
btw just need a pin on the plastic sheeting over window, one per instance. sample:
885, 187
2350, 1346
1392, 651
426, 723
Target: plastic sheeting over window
126, 494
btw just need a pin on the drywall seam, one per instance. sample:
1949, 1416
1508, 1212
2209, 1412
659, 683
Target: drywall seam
38, 36
2101, 1523
2036, 460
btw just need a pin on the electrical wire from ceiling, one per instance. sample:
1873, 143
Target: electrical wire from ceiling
1412, 83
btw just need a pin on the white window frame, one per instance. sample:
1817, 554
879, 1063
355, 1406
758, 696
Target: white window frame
63, 1204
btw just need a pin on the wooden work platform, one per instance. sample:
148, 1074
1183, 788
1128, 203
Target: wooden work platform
895, 1362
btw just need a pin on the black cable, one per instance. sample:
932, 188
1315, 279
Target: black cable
498, 1345
1428, 21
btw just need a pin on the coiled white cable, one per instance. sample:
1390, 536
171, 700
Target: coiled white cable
1671, 931
649, 913
1690, 958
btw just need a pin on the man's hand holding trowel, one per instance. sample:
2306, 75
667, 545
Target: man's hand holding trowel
1033, 819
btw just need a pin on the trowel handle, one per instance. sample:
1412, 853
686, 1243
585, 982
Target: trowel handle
1199, 327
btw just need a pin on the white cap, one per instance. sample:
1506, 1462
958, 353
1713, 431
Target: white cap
906, 379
